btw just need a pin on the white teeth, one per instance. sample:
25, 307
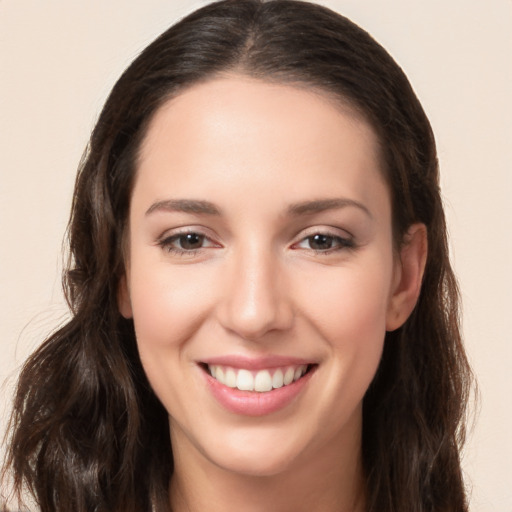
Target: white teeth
244, 380
288, 376
261, 381
277, 379
230, 378
219, 375
299, 372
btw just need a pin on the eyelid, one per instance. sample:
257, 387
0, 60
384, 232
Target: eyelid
185, 230
324, 230
170, 235
345, 240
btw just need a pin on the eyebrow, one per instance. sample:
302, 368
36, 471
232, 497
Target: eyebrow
184, 205
320, 205
296, 209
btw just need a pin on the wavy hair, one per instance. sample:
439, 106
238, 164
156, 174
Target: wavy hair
87, 431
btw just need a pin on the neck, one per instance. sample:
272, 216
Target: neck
330, 481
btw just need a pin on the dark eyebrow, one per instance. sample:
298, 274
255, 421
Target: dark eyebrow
320, 205
184, 205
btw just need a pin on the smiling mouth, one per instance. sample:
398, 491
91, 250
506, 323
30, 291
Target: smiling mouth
260, 381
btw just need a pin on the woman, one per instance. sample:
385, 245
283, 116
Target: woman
259, 268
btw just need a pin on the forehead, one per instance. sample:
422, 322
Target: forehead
263, 137
246, 104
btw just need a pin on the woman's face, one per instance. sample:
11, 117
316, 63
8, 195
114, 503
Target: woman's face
260, 272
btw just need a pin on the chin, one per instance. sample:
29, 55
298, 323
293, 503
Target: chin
254, 464
260, 452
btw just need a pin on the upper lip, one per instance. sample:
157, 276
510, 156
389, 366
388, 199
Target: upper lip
255, 363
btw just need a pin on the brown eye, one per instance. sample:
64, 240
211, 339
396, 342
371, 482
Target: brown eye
325, 243
187, 243
321, 242
190, 241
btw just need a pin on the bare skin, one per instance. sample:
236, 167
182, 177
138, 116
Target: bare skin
331, 482
260, 228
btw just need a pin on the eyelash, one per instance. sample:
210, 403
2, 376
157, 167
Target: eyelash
340, 243
167, 243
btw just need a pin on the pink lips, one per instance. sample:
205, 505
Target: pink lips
251, 363
254, 403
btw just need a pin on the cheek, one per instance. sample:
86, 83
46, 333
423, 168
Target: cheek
349, 300
167, 305
168, 309
348, 310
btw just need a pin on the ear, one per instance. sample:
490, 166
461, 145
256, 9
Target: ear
408, 277
123, 298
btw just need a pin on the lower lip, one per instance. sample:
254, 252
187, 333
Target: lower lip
254, 403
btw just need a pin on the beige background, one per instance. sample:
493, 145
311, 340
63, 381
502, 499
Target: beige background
58, 60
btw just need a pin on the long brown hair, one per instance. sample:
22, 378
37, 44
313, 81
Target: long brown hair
88, 433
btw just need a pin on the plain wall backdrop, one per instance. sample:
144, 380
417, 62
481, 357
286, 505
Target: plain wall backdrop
58, 61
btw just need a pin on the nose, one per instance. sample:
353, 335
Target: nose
255, 299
